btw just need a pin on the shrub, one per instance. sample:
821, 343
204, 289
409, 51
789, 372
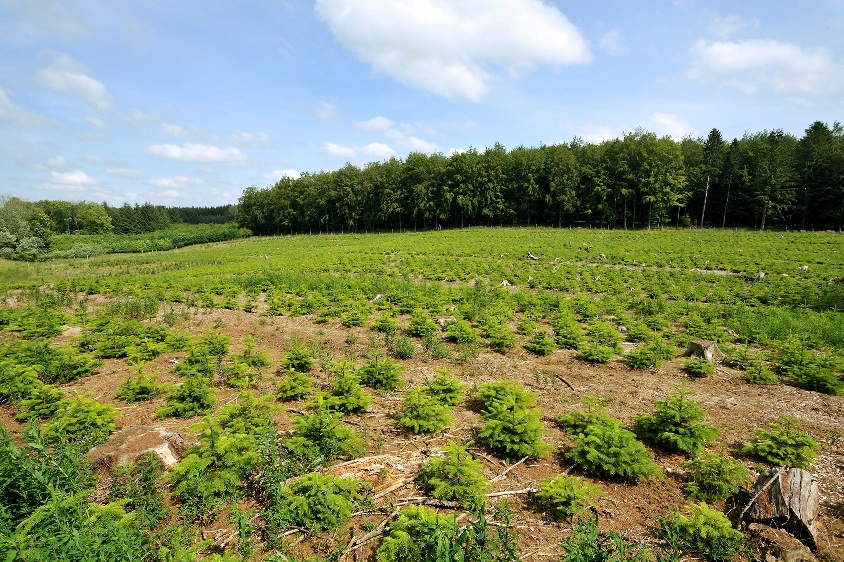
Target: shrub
356, 316
809, 370
421, 325
707, 532
605, 334
137, 483
567, 332
422, 413
715, 477
461, 332
579, 421
595, 352
253, 358
564, 496
42, 403
82, 418
513, 431
195, 396
381, 374
699, 367
589, 544
444, 388
400, 347
294, 385
643, 358
385, 324
55, 365
677, 424
317, 502
17, 381
247, 415
541, 343
455, 475
756, 373
503, 394
298, 358
139, 388
418, 535
320, 437
347, 394
501, 339
612, 452
785, 445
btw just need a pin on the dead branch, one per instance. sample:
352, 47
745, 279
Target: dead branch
394, 488
503, 475
513, 492
564, 381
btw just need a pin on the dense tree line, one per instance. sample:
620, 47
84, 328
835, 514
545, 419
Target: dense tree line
763, 179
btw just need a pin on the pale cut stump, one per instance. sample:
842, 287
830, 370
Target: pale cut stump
786, 498
132, 443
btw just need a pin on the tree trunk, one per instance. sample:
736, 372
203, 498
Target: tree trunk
726, 202
705, 197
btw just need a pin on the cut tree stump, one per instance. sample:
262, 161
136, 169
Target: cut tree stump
132, 443
786, 498
706, 349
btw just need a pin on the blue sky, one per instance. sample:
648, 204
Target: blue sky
187, 103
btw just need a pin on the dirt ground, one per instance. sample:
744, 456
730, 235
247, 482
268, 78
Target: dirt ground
735, 406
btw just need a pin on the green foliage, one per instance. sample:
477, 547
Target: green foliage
347, 394
381, 374
321, 438
421, 325
511, 428
650, 356
677, 424
564, 496
294, 385
808, 370
589, 544
605, 334
444, 388
454, 475
195, 396
595, 352
422, 413
81, 418
593, 414
756, 373
139, 388
317, 502
707, 532
541, 343
248, 415
715, 477
385, 324
501, 339
612, 452
138, 484
17, 381
55, 365
786, 444
461, 332
400, 347
298, 358
699, 367
43, 402
503, 394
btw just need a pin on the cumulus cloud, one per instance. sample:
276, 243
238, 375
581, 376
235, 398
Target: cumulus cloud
175, 130
454, 49
175, 182
68, 76
611, 42
17, 115
755, 65
726, 26
124, 172
70, 181
403, 135
338, 150
198, 153
249, 139
377, 150
325, 111
375, 125
98, 123
668, 124
276, 175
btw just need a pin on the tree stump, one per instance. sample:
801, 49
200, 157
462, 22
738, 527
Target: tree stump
706, 349
132, 443
786, 498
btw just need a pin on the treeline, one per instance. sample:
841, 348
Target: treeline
763, 179
32, 230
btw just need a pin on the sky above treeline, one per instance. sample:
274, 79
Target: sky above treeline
186, 103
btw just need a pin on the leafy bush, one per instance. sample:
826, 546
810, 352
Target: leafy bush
643, 358
715, 477
444, 388
589, 544
611, 451
595, 352
17, 381
699, 367
249, 415
82, 418
400, 347
137, 483
677, 424
195, 396
381, 374
785, 445
298, 358
510, 427
461, 332
55, 365
422, 413
347, 394
594, 414
385, 324
567, 332
42, 403
809, 370
707, 532
317, 502
454, 475
541, 343
421, 325
294, 385
564, 496
756, 373
503, 394
139, 388
320, 437
501, 339
605, 334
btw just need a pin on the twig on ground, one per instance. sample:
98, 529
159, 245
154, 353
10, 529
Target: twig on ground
503, 475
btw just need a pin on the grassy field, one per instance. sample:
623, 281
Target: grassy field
223, 341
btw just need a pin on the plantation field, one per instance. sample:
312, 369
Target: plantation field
283, 357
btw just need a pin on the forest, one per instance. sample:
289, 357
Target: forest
765, 179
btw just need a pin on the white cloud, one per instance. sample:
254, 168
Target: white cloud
124, 172
375, 125
453, 49
98, 123
326, 111
377, 150
175, 182
138, 117
667, 124
198, 153
71, 181
62, 187
175, 130
169, 193
17, 115
338, 150
275, 175
53, 17
611, 42
56, 162
725, 26
68, 76
596, 134
756, 65
249, 139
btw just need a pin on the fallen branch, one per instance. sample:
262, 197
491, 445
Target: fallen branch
513, 492
477, 453
757, 494
393, 488
381, 529
564, 381
425, 500
503, 475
